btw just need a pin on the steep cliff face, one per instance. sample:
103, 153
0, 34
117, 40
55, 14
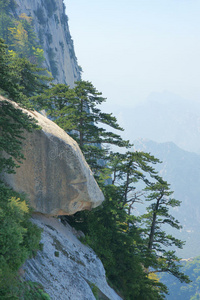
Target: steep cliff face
51, 27
56, 177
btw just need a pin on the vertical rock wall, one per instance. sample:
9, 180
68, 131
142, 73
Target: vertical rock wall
51, 27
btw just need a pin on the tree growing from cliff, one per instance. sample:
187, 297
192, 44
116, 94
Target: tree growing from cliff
115, 238
12, 124
77, 112
7, 86
5, 19
127, 170
28, 77
20, 79
18, 33
141, 237
157, 240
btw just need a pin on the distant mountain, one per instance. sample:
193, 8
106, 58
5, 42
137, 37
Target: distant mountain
182, 291
182, 170
163, 117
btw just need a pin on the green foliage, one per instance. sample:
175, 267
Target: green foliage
12, 123
53, 63
157, 239
127, 170
32, 291
95, 290
7, 5
77, 112
77, 109
29, 78
18, 239
7, 86
178, 290
20, 79
134, 249
112, 233
19, 35
24, 290
6, 22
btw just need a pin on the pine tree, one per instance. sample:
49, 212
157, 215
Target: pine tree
127, 170
20, 79
115, 238
7, 86
158, 241
28, 77
12, 124
5, 20
76, 111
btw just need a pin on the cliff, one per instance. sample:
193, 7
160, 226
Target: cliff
52, 30
57, 180
55, 176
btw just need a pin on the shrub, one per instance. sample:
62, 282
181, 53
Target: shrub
19, 238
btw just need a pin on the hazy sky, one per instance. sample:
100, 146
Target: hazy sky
131, 48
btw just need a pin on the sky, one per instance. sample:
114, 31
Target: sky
131, 48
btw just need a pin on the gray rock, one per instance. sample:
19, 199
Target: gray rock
52, 30
65, 267
55, 175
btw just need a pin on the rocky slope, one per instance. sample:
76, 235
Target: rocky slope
51, 27
66, 268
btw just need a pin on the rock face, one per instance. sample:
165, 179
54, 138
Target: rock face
65, 267
55, 175
52, 30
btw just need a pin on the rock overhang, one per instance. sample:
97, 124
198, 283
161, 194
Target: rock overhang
54, 175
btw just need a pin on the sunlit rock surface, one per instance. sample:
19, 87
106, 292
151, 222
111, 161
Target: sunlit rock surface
55, 175
65, 267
